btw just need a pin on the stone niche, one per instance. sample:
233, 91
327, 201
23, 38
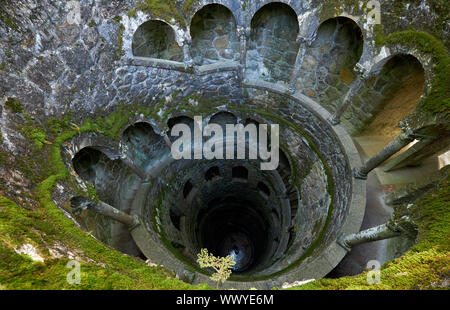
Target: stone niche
214, 35
273, 49
156, 39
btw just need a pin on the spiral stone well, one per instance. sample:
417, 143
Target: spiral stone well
120, 75
284, 223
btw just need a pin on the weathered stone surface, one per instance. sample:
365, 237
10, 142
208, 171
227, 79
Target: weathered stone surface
54, 67
78, 59
90, 37
221, 43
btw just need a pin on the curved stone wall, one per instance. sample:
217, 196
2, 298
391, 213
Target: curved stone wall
172, 204
283, 62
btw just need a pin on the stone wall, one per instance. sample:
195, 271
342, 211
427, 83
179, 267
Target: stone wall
141, 144
57, 64
272, 48
327, 67
333, 157
156, 39
115, 185
398, 73
214, 36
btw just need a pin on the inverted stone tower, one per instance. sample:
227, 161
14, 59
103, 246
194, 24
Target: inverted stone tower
98, 86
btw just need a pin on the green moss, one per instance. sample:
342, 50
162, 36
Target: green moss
117, 19
119, 50
9, 21
2, 158
36, 135
393, 14
91, 23
166, 10
14, 105
92, 192
244, 4
161, 9
437, 100
432, 214
333, 8
48, 220
426, 265
57, 125
19, 226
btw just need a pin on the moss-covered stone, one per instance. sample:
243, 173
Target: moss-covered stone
36, 135
14, 105
101, 267
437, 100
119, 50
167, 10
19, 225
9, 21
426, 265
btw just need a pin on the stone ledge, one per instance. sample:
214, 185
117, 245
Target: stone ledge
182, 67
160, 63
217, 67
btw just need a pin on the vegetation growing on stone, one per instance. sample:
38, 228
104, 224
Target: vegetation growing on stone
119, 50
44, 229
166, 10
14, 105
36, 135
426, 265
8, 20
103, 268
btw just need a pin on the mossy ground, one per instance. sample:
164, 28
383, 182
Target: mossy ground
426, 265
101, 267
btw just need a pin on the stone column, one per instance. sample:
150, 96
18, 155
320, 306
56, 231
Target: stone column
386, 231
400, 142
79, 204
167, 141
244, 36
372, 234
304, 44
127, 162
188, 61
354, 88
130, 164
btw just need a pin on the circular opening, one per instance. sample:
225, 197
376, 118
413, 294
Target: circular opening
234, 226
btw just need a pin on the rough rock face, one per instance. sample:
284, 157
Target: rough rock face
91, 88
